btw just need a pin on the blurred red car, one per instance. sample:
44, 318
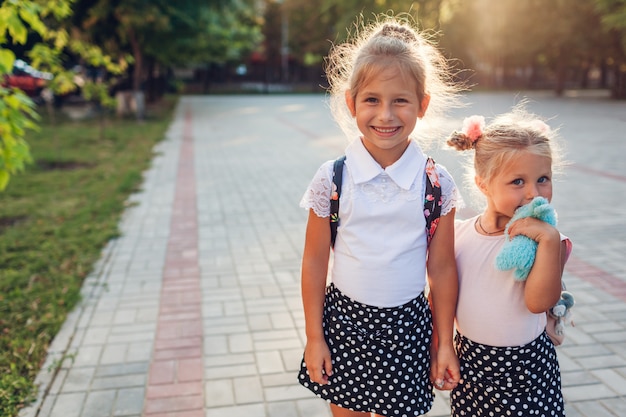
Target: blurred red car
26, 78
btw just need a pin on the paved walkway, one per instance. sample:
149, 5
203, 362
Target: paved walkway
195, 310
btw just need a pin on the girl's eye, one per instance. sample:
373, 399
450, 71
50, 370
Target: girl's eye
543, 179
371, 100
518, 181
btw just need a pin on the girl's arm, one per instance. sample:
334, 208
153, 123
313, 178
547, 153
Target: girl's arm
543, 284
314, 272
444, 288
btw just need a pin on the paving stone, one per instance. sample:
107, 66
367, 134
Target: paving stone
592, 408
78, 379
129, 402
248, 390
250, 410
219, 393
578, 378
87, 355
282, 409
313, 407
229, 359
278, 379
604, 361
238, 343
122, 369
99, 403
612, 379
231, 371
583, 350
68, 405
269, 362
616, 405
126, 381
587, 392
293, 391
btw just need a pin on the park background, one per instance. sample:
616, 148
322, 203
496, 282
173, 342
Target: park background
75, 147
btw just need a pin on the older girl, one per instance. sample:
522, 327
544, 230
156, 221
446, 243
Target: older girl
370, 332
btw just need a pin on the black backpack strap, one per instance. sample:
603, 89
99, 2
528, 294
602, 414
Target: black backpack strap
334, 198
432, 199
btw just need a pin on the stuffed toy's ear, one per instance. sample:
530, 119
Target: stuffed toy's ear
519, 253
567, 298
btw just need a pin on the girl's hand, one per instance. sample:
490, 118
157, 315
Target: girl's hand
542, 287
445, 371
534, 229
318, 362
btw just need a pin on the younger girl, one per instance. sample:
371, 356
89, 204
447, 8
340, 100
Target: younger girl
369, 332
508, 364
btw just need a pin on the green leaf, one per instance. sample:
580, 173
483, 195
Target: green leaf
4, 179
7, 58
5, 12
18, 31
29, 15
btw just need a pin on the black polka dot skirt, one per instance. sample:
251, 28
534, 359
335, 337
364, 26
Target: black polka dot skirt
380, 356
508, 381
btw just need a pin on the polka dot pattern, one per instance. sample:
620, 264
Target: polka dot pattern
381, 358
518, 381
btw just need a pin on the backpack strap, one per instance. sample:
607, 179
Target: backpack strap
334, 198
432, 199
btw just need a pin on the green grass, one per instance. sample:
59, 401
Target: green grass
55, 219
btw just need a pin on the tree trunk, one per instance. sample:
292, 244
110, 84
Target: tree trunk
619, 86
584, 76
559, 88
137, 73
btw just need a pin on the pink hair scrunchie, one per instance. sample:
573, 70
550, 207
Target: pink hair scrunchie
540, 126
473, 127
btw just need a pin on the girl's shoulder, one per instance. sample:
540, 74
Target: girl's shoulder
317, 195
442, 171
462, 225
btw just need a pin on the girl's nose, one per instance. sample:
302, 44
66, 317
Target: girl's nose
386, 112
531, 192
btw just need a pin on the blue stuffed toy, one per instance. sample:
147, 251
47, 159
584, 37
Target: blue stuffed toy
561, 312
519, 253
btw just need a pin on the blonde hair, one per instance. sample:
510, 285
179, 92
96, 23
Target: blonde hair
504, 138
390, 41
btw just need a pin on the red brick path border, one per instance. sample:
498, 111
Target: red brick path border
596, 277
175, 378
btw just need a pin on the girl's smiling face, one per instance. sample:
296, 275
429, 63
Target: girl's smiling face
386, 109
525, 176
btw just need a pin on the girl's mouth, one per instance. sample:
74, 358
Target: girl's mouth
385, 130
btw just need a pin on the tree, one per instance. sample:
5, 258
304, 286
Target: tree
17, 111
320, 24
229, 32
613, 18
526, 44
165, 33
125, 26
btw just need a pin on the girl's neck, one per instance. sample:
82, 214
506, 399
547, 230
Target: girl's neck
490, 224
